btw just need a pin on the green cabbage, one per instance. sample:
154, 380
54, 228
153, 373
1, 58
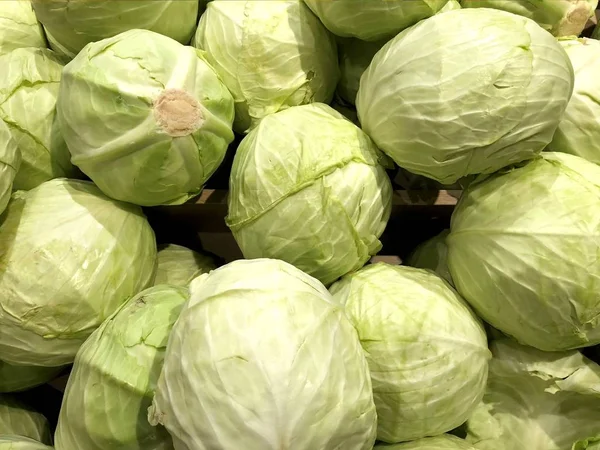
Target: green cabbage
10, 161
162, 118
465, 92
372, 20
536, 400
8, 442
179, 265
559, 17
115, 374
306, 187
443, 442
14, 378
69, 257
523, 250
433, 255
72, 24
592, 443
18, 419
261, 355
19, 27
271, 55
578, 132
426, 349
28, 92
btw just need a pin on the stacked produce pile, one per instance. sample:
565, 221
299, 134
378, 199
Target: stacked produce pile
478, 341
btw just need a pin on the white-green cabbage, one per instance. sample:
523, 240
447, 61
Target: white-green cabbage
162, 117
115, 374
271, 55
559, 17
443, 442
306, 187
465, 92
427, 351
19, 27
28, 92
18, 419
372, 20
523, 250
12, 442
179, 265
15, 378
579, 131
10, 161
433, 255
72, 24
69, 257
261, 358
536, 400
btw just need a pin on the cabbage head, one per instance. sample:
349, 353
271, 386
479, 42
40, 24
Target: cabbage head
443, 442
28, 93
115, 374
72, 24
179, 265
162, 118
15, 378
523, 250
19, 27
559, 17
427, 351
69, 257
261, 354
536, 400
16, 418
465, 92
579, 132
433, 255
13, 442
10, 161
306, 187
372, 20
271, 55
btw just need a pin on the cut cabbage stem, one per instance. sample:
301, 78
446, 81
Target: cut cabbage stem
178, 113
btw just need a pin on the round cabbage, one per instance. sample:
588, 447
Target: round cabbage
579, 132
162, 118
18, 419
115, 374
271, 55
10, 161
15, 378
433, 255
179, 265
523, 250
465, 92
261, 355
372, 20
71, 25
69, 257
306, 187
19, 27
559, 17
28, 92
443, 442
11, 442
427, 351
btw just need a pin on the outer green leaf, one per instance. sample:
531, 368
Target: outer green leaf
72, 24
443, 442
115, 374
523, 250
261, 355
559, 17
465, 92
306, 187
427, 351
17, 419
433, 254
579, 132
162, 118
592, 443
10, 162
536, 400
179, 265
372, 20
19, 27
596, 33
69, 257
8, 442
271, 55
28, 91
14, 378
